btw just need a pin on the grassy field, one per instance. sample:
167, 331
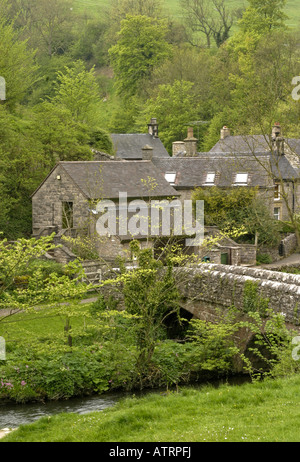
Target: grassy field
258, 412
95, 7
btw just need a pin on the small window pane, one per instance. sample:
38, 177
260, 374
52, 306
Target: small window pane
277, 213
241, 178
276, 192
170, 177
210, 178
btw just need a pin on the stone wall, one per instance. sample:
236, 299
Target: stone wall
47, 202
220, 286
288, 245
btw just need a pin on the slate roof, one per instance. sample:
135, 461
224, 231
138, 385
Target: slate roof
242, 144
106, 179
191, 171
129, 146
286, 167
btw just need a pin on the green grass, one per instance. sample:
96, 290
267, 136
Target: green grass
259, 412
95, 7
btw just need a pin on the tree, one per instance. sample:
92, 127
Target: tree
140, 48
77, 91
47, 24
212, 18
17, 64
240, 210
61, 137
15, 259
119, 9
174, 105
262, 16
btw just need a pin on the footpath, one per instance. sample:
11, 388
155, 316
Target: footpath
292, 260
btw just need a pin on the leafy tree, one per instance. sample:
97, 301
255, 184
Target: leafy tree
140, 48
15, 258
151, 296
77, 91
239, 209
61, 137
17, 64
22, 167
119, 9
262, 16
175, 106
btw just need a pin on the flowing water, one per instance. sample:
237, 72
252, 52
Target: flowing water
13, 415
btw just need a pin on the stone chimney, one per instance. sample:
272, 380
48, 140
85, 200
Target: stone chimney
147, 152
153, 128
190, 143
225, 131
178, 149
276, 130
277, 139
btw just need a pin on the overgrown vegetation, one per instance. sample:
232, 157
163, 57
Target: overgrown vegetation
68, 349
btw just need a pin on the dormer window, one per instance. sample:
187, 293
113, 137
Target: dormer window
170, 177
241, 179
210, 178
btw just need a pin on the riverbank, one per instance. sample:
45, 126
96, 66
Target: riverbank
5, 431
265, 411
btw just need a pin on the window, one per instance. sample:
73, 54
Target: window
210, 178
67, 215
277, 192
241, 178
276, 213
170, 177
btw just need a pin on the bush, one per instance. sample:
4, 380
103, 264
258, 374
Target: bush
263, 258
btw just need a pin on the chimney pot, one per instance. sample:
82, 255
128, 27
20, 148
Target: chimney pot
190, 133
225, 131
153, 127
276, 130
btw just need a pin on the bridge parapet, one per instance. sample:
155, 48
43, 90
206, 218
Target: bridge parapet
210, 286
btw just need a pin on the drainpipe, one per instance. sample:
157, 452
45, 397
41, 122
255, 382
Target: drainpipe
293, 196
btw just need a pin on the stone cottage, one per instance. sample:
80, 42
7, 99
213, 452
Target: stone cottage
66, 201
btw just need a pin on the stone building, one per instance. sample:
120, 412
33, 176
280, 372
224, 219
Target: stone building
280, 159
66, 201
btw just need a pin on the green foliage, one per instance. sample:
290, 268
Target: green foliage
261, 16
252, 301
175, 106
100, 140
141, 46
238, 208
16, 64
103, 303
77, 91
263, 258
270, 354
14, 261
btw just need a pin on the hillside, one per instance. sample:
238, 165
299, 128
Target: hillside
92, 7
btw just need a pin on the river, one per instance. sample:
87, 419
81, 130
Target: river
13, 415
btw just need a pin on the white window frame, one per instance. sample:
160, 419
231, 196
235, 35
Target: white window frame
277, 185
238, 181
173, 178
277, 216
211, 182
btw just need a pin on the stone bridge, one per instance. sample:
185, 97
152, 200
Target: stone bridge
211, 286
